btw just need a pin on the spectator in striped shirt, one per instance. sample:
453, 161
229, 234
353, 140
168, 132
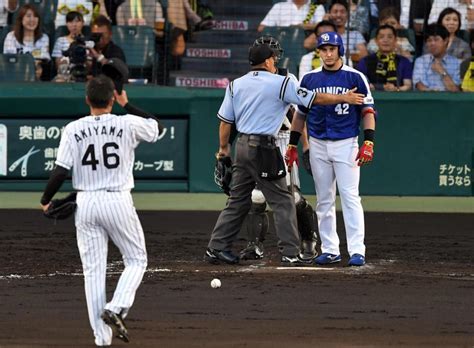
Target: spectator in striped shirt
27, 37
74, 24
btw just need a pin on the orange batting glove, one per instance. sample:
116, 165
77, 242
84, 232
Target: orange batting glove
291, 156
366, 153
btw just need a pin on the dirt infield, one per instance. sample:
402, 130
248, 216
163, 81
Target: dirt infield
416, 290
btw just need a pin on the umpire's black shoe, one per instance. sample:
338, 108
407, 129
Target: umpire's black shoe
220, 256
290, 261
115, 321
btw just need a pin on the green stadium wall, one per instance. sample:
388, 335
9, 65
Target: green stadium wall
424, 142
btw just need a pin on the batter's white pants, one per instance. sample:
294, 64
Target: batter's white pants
331, 162
100, 215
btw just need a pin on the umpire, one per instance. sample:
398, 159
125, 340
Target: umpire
257, 103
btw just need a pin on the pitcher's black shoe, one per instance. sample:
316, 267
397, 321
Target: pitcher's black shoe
115, 321
220, 256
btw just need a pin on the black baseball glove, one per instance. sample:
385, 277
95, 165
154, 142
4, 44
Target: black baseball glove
223, 173
306, 162
60, 209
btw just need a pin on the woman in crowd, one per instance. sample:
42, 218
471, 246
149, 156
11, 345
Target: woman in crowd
74, 24
451, 20
27, 37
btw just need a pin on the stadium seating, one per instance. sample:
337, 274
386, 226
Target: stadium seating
138, 44
17, 68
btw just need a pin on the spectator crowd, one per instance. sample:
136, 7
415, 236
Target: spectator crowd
70, 40
400, 45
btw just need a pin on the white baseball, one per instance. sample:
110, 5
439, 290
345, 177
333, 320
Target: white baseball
215, 283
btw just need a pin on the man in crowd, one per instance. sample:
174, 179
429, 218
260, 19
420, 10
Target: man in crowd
386, 70
105, 48
338, 14
294, 12
437, 70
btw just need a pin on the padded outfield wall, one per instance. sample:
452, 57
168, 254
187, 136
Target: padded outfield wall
424, 142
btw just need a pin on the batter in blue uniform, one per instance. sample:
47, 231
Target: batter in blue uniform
334, 151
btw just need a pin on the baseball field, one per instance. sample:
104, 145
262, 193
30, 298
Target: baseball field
417, 289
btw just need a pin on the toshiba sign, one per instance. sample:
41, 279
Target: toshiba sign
223, 53
231, 25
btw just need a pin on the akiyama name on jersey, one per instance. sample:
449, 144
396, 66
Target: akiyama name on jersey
100, 150
332, 90
99, 130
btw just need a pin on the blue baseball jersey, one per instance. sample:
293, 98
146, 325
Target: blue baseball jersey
340, 121
257, 102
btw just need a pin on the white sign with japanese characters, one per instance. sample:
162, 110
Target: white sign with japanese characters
33, 148
454, 175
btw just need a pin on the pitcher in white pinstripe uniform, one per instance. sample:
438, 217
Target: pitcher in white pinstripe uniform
100, 151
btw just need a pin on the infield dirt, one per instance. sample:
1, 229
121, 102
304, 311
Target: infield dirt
416, 290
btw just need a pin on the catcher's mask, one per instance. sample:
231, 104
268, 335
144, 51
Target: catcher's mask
271, 42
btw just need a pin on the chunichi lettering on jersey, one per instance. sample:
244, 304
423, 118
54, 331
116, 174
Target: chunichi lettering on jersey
97, 131
332, 90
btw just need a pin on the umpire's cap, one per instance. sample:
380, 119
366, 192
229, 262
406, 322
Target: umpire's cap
331, 38
258, 54
117, 70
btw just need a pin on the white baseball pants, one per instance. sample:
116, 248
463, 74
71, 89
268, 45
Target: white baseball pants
331, 162
100, 215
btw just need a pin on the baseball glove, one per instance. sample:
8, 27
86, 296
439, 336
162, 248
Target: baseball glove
306, 162
60, 209
223, 173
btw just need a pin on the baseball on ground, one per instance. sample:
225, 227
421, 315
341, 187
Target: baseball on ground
215, 283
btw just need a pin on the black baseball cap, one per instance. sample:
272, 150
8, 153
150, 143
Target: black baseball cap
258, 54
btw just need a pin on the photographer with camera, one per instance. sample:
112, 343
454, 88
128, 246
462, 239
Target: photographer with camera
104, 48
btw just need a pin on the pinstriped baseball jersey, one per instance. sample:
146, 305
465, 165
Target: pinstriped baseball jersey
101, 150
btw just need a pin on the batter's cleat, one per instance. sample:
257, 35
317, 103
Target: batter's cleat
327, 258
220, 256
251, 252
292, 261
117, 324
357, 260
